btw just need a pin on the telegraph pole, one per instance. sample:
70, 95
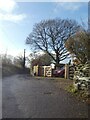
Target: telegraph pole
24, 60
88, 31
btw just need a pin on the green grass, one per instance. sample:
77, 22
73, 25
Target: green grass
82, 95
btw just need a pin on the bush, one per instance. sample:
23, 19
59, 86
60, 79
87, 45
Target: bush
10, 68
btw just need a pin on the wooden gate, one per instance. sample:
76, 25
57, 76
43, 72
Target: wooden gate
47, 71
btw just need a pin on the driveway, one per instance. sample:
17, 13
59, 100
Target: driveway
29, 97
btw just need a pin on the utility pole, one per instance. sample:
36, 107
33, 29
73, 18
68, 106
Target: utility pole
24, 60
88, 31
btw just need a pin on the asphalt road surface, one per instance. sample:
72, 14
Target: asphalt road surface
28, 97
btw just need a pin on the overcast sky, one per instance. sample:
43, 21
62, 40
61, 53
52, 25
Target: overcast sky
17, 19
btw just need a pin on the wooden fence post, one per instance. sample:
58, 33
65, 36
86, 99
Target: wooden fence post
66, 71
44, 71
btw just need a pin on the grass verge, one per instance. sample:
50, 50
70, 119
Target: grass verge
82, 95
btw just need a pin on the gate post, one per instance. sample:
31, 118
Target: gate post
66, 71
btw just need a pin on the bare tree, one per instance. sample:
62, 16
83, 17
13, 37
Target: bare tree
50, 36
19, 61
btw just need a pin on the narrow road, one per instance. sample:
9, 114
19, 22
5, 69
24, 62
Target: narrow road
28, 97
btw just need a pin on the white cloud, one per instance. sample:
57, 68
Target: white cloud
70, 6
7, 5
12, 17
7, 8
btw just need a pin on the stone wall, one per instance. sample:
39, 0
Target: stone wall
82, 75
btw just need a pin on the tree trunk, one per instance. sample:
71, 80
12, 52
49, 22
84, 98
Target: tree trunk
57, 61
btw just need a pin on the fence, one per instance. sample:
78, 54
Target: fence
42, 71
38, 70
47, 71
